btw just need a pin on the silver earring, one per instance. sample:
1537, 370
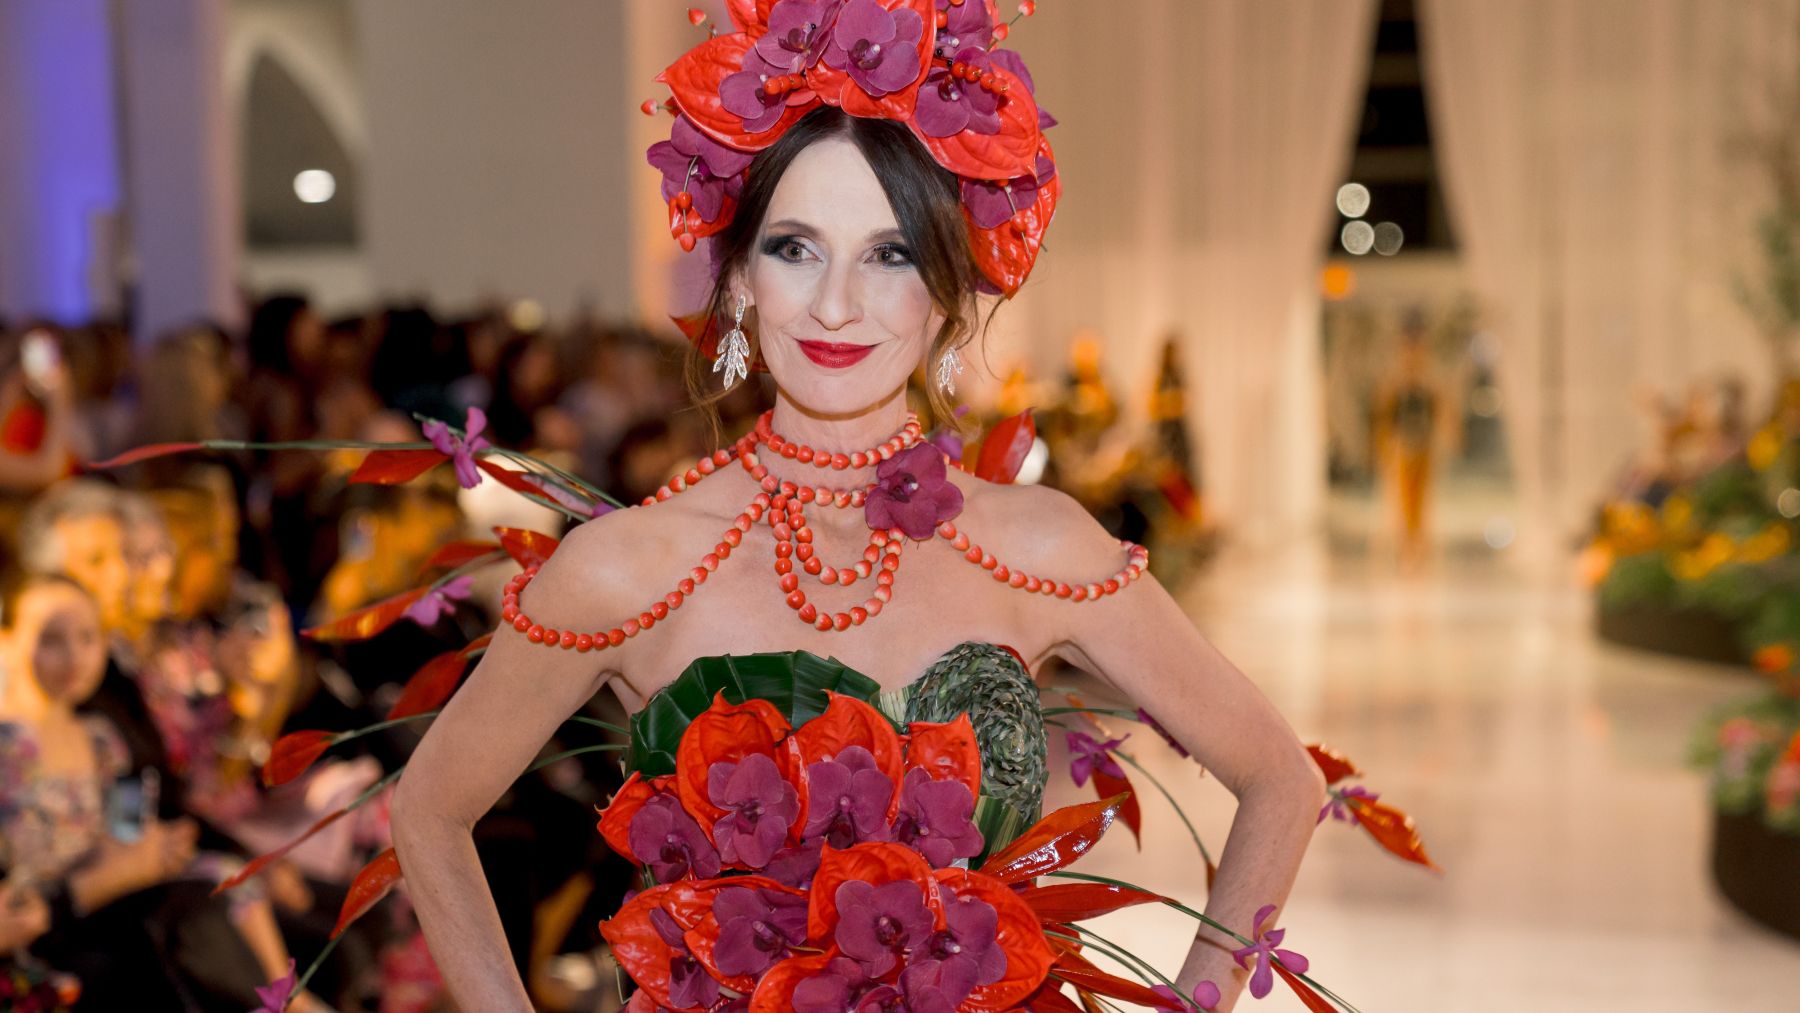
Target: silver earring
734, 350
948, 367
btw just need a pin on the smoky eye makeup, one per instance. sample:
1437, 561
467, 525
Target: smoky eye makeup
789, 248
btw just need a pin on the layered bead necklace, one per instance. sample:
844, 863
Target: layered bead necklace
782, 505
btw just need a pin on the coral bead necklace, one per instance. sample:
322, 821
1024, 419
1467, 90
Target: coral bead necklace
782, 505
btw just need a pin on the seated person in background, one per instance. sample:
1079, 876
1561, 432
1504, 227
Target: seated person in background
132, 911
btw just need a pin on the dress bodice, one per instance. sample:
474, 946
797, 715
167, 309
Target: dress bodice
987, 682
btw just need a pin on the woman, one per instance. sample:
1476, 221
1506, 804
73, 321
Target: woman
842, 288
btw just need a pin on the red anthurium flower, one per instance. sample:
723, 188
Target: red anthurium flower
946, 751
293, 754
848, 722
649, 940
1054, 841
874, 864
986, 922
723, 733
615, 819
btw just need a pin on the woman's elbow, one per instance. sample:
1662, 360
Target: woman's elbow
418, 815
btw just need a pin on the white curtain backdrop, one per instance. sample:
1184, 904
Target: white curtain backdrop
1200, 143
1595, 173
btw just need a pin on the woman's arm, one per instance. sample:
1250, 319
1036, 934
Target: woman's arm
484, 739
1140, 641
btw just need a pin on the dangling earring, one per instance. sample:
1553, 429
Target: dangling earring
948, 366
734, 350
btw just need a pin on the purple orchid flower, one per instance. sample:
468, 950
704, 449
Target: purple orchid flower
743, 95
276, 995
1144, 717
936, 819
966, 26
913, 492
877, 47
841, 986
461, 449
992, 204
947, 106
1206, 996
1338, 806
1263, 945
693, 162
847, 799
756, 927
936, 986
440, 601
759, 807
1014, 64
799, 31
795, 866
690, 985
946, 440
1086, 755
876, 924
664, 837
971, 935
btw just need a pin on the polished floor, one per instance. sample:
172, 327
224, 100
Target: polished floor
1545, 770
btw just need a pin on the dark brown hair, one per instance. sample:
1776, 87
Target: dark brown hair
926, 203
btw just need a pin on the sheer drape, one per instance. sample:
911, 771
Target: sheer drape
1604, 208
1200, 142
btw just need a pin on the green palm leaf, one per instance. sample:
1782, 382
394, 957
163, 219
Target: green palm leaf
795, 682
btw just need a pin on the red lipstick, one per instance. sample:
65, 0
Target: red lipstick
835, 355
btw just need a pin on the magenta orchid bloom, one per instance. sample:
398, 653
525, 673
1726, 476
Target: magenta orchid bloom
936, 819
668, 840
742, 94
966, 26
799, 31
847, 800
759, 807
461, 449
440, 601
1206, 996
913, 492
756, 927
992, 204
276, 995
948, 106
689, 983
1338, 806
1087, 755
1263, 946
878, 924
877, 47
694, 163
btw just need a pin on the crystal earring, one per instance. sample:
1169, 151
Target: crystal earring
948, 367
734, 349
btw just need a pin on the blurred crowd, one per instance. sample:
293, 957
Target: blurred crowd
150, 609
149, 656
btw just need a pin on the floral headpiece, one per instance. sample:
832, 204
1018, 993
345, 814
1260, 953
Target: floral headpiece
930, 64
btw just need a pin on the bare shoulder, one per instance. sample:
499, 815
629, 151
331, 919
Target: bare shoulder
604, 566
1038, 529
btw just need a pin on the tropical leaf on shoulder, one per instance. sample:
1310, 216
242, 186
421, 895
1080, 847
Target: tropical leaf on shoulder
795, 682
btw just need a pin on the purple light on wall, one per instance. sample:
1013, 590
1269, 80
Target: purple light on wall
59, 161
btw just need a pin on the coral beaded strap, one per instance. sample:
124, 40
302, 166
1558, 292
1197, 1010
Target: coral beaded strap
782, 504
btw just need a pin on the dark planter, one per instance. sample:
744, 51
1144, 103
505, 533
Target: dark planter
1684, 632
1758, 870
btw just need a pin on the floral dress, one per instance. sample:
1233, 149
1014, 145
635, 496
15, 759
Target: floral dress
51, 820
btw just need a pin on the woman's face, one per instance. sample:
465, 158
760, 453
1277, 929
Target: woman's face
842, 315
94, 556
150, 555
60, 628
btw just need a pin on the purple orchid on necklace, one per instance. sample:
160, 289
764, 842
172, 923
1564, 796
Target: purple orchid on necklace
913, 492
